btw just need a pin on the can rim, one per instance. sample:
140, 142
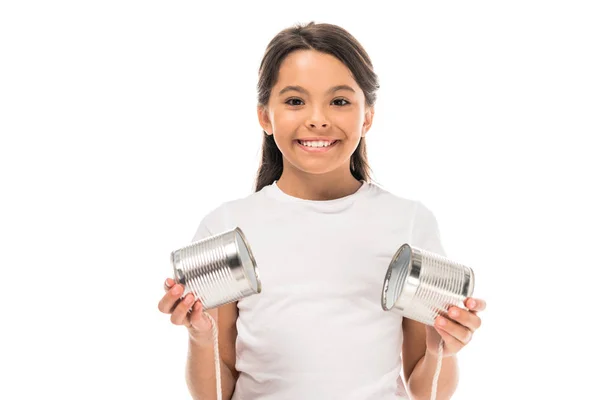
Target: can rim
252, 260
177, 276
395, 273
471, 287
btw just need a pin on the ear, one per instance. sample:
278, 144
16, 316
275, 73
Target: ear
264, 120
369, 114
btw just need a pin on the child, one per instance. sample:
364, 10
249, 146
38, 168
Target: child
323, 236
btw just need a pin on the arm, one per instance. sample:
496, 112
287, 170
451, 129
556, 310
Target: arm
200, 367
419, 364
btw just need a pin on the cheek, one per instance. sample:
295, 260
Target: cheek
351, 124
291, 119
287, 122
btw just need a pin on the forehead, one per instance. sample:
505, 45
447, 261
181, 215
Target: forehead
314, 71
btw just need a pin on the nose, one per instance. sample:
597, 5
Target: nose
322, 125
318, 120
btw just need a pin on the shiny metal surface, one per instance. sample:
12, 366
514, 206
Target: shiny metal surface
423, 285
217, 270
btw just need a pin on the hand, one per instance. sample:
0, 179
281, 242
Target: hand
457, 331
187, 312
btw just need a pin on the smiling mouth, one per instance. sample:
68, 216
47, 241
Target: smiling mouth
316, 144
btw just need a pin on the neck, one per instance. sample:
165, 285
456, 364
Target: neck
328, 186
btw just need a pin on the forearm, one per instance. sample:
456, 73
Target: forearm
421, 379
201, 374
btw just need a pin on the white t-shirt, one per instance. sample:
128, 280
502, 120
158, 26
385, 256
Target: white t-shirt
317, 330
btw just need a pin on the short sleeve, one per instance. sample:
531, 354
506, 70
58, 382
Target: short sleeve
202, 231
425, 232
210, 225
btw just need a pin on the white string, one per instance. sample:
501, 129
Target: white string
216, 351
438, 369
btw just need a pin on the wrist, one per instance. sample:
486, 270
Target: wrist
433, 354
202, 340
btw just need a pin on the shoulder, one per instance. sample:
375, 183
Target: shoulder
394, 202
417, 216
225, 216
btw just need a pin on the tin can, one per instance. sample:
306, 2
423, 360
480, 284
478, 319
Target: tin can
218, 270
423, 285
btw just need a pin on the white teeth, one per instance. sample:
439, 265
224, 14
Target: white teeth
316, 143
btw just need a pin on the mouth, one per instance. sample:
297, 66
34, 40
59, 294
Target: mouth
316, 146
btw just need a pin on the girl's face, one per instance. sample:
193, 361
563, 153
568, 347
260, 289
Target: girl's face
316, 113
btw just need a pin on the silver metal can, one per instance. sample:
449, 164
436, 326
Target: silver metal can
423, 285
218, 270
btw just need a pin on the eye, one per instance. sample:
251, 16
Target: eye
288, 102
341, 105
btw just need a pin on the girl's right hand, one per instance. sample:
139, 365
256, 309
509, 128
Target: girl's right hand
198, 324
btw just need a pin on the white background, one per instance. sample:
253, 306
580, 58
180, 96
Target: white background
124, 122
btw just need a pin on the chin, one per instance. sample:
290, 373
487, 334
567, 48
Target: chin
314, 168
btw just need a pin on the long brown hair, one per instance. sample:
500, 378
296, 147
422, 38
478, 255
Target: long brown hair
326, 38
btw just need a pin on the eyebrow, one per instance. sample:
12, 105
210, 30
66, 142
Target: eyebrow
302, 90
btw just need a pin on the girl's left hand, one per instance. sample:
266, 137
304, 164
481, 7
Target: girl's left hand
457, 331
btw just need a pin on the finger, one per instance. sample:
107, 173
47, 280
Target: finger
451, 344
461, 333
168, 284
475, 304
179, 315
165, 305
465, 318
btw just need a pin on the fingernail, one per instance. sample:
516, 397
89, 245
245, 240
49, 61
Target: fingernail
454, 312
189, 299
168, 283
177, 290
441, 321
472, 303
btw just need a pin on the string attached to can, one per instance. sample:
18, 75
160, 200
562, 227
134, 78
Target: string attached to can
215, 335
438, 370
218, 270
423, 285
